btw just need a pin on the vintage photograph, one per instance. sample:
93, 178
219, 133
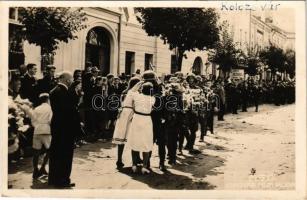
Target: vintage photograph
152, 98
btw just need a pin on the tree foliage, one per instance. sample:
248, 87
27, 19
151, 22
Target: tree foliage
290, 62
47, 26
225, 52
252, 60
184, 29
274, 57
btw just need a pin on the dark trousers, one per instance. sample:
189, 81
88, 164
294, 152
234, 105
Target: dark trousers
210, 120
244, 105
60, 162
203, 125
183, 133
256, 102
160, 138
221, 112
172, 139
234, 107
193, 127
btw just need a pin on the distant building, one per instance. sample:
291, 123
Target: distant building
254, 31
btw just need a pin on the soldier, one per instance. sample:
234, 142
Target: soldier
212, 106
255, 95
220, 91
157, 117
234, 97
173, 116
192, 115
243, 87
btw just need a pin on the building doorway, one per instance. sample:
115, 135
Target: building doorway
98, 49
197, 66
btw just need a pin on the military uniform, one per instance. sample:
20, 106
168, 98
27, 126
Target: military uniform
172, 114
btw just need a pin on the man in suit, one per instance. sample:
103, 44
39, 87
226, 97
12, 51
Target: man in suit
47, 83
65, 125
28, 84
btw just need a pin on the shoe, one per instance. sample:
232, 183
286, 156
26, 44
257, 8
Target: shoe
119, 165
162, 168
68, 185
139, 161
201, 140
172, 162
145, 170
43, 171
36, 174
194, 151
134, 169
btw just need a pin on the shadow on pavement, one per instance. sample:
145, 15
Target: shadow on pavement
167, 180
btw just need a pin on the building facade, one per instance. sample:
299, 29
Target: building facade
114, 42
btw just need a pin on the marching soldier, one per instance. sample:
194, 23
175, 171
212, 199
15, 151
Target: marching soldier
192, 115
173, 117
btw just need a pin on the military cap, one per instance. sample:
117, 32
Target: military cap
50, 67
109, 76
95, 69
191, 75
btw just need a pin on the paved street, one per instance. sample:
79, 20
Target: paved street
249, 151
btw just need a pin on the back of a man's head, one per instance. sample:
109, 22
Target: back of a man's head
66, 78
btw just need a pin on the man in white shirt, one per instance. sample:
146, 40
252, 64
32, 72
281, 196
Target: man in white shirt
41, 119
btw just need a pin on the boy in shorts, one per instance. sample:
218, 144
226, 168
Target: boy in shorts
41, 119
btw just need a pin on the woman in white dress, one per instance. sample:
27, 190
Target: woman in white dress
140, 138
124, 120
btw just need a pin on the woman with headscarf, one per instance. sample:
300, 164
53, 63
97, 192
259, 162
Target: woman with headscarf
123, 122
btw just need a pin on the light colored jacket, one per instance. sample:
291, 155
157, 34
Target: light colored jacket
40, 118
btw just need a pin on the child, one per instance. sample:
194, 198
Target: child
41, 119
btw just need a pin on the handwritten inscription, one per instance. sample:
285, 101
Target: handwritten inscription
226, 6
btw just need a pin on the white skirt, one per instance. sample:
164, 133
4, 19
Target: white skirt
140, 136
122, 126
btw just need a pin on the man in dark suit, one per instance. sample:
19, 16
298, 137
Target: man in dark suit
28, 84
65, 125
46, 84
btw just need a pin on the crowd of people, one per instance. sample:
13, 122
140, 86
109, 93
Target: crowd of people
136, 111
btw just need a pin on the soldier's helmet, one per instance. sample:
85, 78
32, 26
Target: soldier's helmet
191, 76
173, 80
179, 74
198, 78
149, 75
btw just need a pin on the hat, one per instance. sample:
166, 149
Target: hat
198, 78
116, 78
191, 76
179, 73
95, 69
149, 75
43, 95
50, 67
173, 79
110, 76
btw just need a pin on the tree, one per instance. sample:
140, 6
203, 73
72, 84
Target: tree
225, 52
184, 29
47, 26
274, 57
252, 60
290, 62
